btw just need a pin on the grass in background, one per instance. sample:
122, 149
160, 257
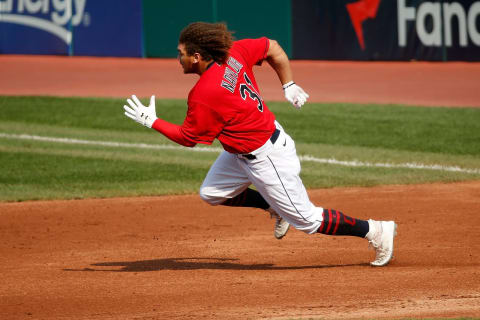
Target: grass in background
368, 133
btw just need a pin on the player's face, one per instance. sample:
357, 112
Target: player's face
185, 60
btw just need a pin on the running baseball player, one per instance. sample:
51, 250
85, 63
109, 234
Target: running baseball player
226, 104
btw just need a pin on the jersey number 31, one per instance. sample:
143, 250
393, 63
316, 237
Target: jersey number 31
248, 88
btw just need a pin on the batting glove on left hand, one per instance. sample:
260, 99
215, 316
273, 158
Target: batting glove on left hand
294, 94
138, 112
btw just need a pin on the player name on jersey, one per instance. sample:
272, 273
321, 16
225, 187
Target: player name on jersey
230, 76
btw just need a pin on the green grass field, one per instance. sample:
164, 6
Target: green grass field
367, 145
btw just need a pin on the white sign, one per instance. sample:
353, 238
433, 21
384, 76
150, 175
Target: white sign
60, 15
442, 15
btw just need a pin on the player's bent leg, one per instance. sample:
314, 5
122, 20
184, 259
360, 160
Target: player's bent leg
248, 198
252, 198
276, 177
223, 181
227, 184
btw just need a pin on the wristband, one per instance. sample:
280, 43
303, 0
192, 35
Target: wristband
288, 84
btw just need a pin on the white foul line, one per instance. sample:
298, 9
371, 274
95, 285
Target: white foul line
408, 165
305, 158
105, 143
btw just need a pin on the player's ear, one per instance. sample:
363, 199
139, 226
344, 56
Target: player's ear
196, 57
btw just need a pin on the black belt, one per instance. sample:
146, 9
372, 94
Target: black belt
274, 136
273, 139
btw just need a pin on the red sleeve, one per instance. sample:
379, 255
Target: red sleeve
201, 125
254, 51
172, 132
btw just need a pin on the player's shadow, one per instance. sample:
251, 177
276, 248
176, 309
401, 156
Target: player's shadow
195, 264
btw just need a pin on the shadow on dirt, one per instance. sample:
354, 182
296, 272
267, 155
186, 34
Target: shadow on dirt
195, 264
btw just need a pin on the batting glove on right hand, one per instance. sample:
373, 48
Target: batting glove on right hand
294, 94
138, 112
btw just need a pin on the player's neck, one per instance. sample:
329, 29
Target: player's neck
203, 66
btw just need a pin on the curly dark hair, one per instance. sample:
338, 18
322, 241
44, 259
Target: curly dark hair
211, 40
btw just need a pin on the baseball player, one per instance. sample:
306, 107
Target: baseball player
226, 104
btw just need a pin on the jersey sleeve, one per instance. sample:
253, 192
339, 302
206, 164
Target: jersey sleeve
172, 131
201, 125
254, 51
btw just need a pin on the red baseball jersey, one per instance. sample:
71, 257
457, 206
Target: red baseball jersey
226, 104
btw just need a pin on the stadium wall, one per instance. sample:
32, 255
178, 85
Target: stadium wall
384, 30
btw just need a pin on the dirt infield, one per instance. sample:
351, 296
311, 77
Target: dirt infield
178, 258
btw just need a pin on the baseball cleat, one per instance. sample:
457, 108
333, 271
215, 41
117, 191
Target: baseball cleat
281, 225
381, 240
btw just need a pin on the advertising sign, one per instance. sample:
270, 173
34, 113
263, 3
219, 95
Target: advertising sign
70, 27
386, 30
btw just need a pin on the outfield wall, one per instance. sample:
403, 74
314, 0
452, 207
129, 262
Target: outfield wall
384, 30
71, 27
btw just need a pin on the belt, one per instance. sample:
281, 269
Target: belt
273, 139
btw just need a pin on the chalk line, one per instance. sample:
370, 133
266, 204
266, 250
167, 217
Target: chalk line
303, 158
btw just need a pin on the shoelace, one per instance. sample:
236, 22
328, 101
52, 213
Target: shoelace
380, 251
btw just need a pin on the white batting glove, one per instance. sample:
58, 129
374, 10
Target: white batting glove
294, 94
138, 112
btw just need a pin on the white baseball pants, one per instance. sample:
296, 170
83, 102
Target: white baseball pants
274, 173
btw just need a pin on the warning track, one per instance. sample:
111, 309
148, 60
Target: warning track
413, 83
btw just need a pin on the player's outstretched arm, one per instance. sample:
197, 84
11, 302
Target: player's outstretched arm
278, 59
147, 116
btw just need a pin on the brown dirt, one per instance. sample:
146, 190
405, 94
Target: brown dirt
417, 83
177, 258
